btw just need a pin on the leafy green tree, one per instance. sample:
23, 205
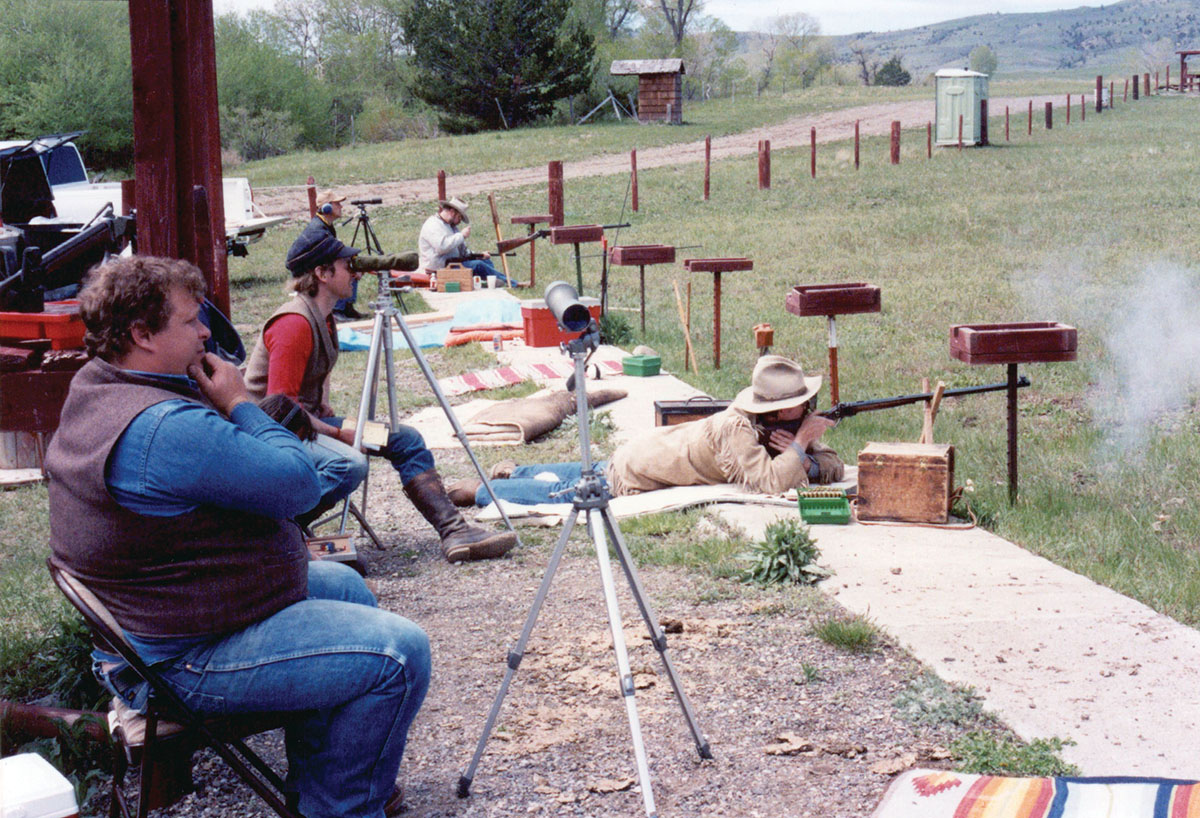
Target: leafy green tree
892, 73
982, 59
64, 66
496, 63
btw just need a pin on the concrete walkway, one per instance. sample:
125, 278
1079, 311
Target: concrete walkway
1051, 652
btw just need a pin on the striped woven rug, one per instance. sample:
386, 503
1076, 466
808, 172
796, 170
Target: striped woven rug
943, 794
509, 375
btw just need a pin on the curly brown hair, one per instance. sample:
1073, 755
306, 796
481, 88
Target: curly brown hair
128, 291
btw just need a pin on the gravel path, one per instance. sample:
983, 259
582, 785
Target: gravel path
832, 126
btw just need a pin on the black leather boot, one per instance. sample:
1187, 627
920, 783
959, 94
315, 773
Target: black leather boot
460, 540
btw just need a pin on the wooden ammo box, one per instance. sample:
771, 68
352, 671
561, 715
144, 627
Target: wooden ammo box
672, 412
455, 272
906, 482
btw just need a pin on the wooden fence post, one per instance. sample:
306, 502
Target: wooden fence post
983, 118
928, 140
1099, 93
441, 185
856, 144
1068, 109
812, 141
1125, 95
1135, 87
1006, 139
707, 163
895, 142
312, 197
1083, 107
1049, 116
960, 127
1029, 120
1146, 84
764, 164
554, 189
633, 171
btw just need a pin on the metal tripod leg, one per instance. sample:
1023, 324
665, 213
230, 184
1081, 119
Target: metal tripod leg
516, 654
623, 671
358, 515
657, 637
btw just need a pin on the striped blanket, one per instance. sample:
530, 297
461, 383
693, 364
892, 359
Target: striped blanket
509, 375
943, 794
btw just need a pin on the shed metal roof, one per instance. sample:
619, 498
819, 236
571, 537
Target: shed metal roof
672, 66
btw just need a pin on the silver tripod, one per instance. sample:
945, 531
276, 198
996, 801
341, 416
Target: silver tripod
591, 496
387, 316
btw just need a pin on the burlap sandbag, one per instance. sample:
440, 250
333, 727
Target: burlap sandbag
523, 419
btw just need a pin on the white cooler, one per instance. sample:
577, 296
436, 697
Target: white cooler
30, 787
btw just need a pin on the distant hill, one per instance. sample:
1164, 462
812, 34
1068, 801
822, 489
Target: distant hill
1128, 33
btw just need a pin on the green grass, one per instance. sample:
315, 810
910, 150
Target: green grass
992, 754
688, 539
932, 702
856, 634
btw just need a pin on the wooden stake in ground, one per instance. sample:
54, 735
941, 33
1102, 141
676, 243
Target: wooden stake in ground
931, 409
499, 238
683, 321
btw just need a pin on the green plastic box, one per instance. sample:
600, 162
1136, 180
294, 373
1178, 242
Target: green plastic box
641, 365
453, 287
824, 510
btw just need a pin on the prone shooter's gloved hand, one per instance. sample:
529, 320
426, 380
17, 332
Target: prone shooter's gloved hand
364, 262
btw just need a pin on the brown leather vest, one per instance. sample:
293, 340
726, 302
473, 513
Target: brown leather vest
320, 362
209, 571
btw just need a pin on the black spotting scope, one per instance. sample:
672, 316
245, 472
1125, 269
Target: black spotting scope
361, 202
564, 304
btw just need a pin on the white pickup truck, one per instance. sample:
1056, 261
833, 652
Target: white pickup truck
75, 198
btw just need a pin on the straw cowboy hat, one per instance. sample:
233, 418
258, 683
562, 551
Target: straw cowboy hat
329, 197
455, 203
777, 383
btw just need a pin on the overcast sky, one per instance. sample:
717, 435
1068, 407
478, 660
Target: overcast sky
835, 16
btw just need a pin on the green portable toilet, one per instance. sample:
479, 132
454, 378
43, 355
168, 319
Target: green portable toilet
959, 92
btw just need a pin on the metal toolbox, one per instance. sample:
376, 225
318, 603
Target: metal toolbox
672, 412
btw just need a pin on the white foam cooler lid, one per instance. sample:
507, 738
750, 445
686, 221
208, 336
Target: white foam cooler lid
30, 787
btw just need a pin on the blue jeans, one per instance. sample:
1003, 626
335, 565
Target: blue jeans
405, 450
524, 488
354, 675
340, 468
483, 267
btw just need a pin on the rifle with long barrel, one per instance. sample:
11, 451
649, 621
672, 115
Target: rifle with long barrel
845, 410
508, 245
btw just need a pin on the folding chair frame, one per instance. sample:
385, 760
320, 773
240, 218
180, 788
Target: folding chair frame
165, 703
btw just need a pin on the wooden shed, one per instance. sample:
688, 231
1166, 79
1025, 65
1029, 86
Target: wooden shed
660, 88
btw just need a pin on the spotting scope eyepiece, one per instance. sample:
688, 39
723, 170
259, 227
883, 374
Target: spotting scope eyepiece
564, 304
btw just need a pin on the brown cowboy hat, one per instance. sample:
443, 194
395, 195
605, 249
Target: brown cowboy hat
777, 383
455, 203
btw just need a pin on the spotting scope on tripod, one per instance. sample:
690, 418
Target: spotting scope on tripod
591, 498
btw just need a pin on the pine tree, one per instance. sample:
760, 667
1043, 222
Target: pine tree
892, 73
488, 64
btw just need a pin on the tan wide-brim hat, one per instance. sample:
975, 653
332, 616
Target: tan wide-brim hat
329, 197
777, 383
455, 203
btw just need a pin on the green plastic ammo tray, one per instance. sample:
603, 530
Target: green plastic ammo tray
641, 365
824, 506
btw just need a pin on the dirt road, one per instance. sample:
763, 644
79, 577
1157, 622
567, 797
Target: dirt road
832, 126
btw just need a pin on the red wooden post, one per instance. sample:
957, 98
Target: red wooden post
555, 191
1168, 78
895, 142
764, 164
633, 182
1099, 93
812, 141
983, 122
1068, 109
1112, 94
1049, 116
1146, 84
312, 197
173, 61
707, 163
928, 140
1006, 139
128, 196
856, 144
441, 185
1125, 94
1135, 87
1029, 121
1156, 85
1083, 107
960, 127
717, 320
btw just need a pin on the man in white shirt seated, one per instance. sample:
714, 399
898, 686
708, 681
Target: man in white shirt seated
444, 239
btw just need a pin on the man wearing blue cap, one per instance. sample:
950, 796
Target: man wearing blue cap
329, 210
295, 355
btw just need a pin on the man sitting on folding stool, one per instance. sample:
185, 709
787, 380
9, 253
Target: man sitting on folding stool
171, 498
443, 239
